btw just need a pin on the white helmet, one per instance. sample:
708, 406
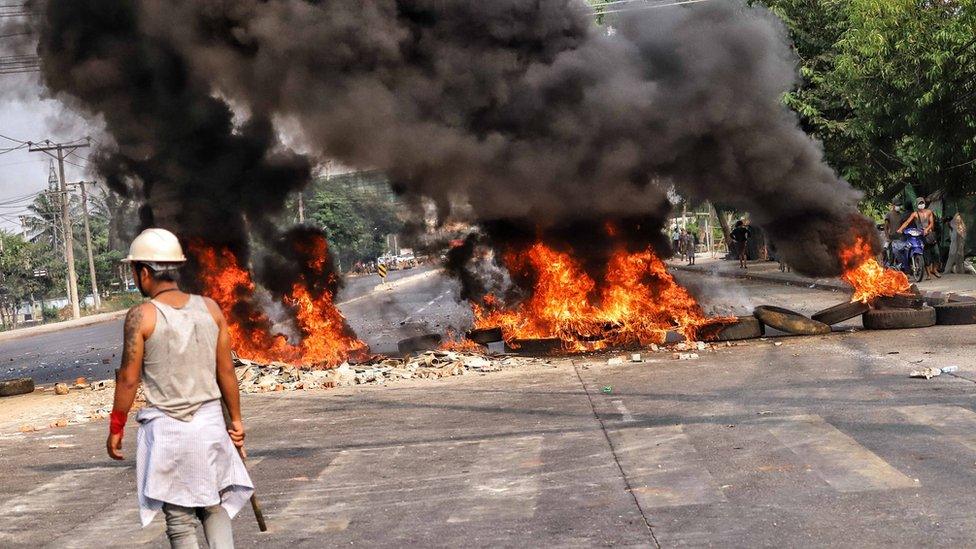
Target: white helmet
157, 247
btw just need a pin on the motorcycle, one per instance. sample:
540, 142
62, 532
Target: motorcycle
908, 255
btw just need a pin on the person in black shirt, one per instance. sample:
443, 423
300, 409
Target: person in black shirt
740, 239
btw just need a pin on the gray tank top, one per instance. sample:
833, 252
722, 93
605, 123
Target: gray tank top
179, 367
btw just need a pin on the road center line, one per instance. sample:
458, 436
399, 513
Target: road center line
407, 318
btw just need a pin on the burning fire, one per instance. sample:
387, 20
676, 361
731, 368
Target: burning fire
638, 302
868, 277
326, 340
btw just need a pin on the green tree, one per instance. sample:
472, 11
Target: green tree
889, 88
357, 215
19, 282
908, 69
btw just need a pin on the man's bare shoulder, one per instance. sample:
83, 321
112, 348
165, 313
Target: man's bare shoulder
213, 308
139, 316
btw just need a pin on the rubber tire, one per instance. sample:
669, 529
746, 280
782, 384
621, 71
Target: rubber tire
841, 312
918, 268
485, 336
544, 346
899, 302
426, 342
19, 386
789, 321
745, 327
896, 319
955, 313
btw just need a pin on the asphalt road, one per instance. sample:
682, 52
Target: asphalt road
790, 441
382, 314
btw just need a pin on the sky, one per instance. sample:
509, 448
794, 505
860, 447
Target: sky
27, 115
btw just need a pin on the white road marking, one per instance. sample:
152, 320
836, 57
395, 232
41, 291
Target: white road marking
955, 422
842, 463
123, 516
625, 414
443, 294
502, 482
663, 467
62, 495
314, 508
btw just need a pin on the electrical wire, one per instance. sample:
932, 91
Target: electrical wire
12, 139
642, 8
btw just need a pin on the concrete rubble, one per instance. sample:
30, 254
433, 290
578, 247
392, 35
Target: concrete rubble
254, 377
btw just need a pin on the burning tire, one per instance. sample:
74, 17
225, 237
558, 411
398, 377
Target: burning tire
543, 346
789, 321
426, 342
19, 386
485, 336
841, 312
894, 319
904, 301
957, 312
745, 327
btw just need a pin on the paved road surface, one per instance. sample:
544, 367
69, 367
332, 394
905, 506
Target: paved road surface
818, 441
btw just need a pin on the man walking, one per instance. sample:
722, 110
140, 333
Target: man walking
187, 461
740, 238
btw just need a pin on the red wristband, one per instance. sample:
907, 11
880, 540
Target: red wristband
117, 425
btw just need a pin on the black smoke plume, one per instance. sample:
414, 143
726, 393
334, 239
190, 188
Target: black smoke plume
527, 110
176, 145
530, 112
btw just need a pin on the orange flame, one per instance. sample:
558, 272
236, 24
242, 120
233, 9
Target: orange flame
326, 339
638, 302
868, 277
454, 341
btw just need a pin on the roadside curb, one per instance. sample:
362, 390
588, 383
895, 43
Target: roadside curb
58, 326
931, 296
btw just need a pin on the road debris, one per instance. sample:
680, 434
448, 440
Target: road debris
254, 377
61, 388
927, 373
607, 389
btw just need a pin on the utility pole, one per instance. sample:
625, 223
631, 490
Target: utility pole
301, 207
61, 148
88, 241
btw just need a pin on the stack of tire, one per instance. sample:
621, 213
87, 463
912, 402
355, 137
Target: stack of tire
897, 312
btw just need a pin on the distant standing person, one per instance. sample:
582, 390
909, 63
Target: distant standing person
689, 239
740, 240
676, 240
893, 220
957, 245
924, 220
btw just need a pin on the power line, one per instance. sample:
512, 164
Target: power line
14, 140
12, 149
642, 8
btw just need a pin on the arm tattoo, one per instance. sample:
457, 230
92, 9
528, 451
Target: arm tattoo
133, 320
